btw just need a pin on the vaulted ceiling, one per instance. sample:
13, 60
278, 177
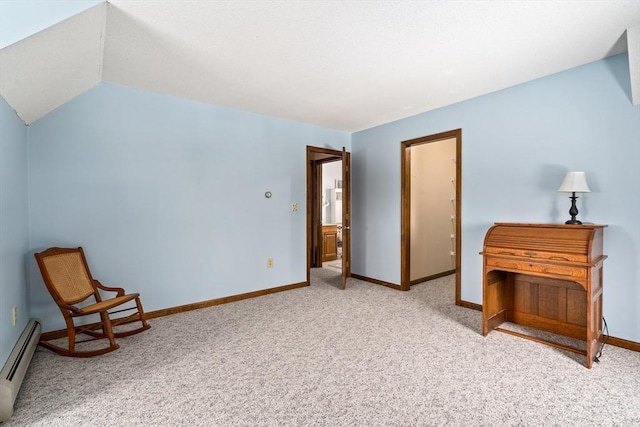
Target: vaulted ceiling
346, 65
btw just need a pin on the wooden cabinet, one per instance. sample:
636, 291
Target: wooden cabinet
329, 242
547, 277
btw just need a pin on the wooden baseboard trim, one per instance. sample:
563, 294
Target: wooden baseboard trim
471, 305
61, 333
376, 281
432, 277
622, 343
224, 300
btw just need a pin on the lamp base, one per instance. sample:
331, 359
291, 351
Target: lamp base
573, 211
573, 221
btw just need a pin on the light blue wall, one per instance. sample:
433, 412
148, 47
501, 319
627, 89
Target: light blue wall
22, 18
166, 195
516, 146
14, 230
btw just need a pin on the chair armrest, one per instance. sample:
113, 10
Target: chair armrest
119, 291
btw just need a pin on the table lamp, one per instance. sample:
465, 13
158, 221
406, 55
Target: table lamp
574, 182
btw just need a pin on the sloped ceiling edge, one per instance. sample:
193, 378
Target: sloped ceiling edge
54, 65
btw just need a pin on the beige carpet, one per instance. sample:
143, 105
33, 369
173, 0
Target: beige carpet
319, 356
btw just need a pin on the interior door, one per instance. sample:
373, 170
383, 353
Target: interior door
346, 216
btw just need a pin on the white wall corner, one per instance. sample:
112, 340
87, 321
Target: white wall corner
633, 44
103, 36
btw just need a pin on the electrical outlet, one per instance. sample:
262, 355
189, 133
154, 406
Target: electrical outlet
269, 262
294, 206
14, 315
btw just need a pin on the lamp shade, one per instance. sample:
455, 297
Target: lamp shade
574, 182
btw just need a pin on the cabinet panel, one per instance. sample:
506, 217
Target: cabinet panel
329, 243
577, 307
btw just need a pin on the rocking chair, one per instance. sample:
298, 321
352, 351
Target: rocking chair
66, 274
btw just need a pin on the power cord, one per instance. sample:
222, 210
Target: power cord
604, 341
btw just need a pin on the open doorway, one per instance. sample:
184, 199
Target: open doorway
329, 211
444, 231
331, 215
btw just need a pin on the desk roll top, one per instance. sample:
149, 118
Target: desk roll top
545, 242
545, 276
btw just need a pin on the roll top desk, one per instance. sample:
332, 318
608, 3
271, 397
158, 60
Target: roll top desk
547, 277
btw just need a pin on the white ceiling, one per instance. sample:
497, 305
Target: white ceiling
346, 65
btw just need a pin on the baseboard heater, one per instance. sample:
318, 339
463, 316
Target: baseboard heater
14, 370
